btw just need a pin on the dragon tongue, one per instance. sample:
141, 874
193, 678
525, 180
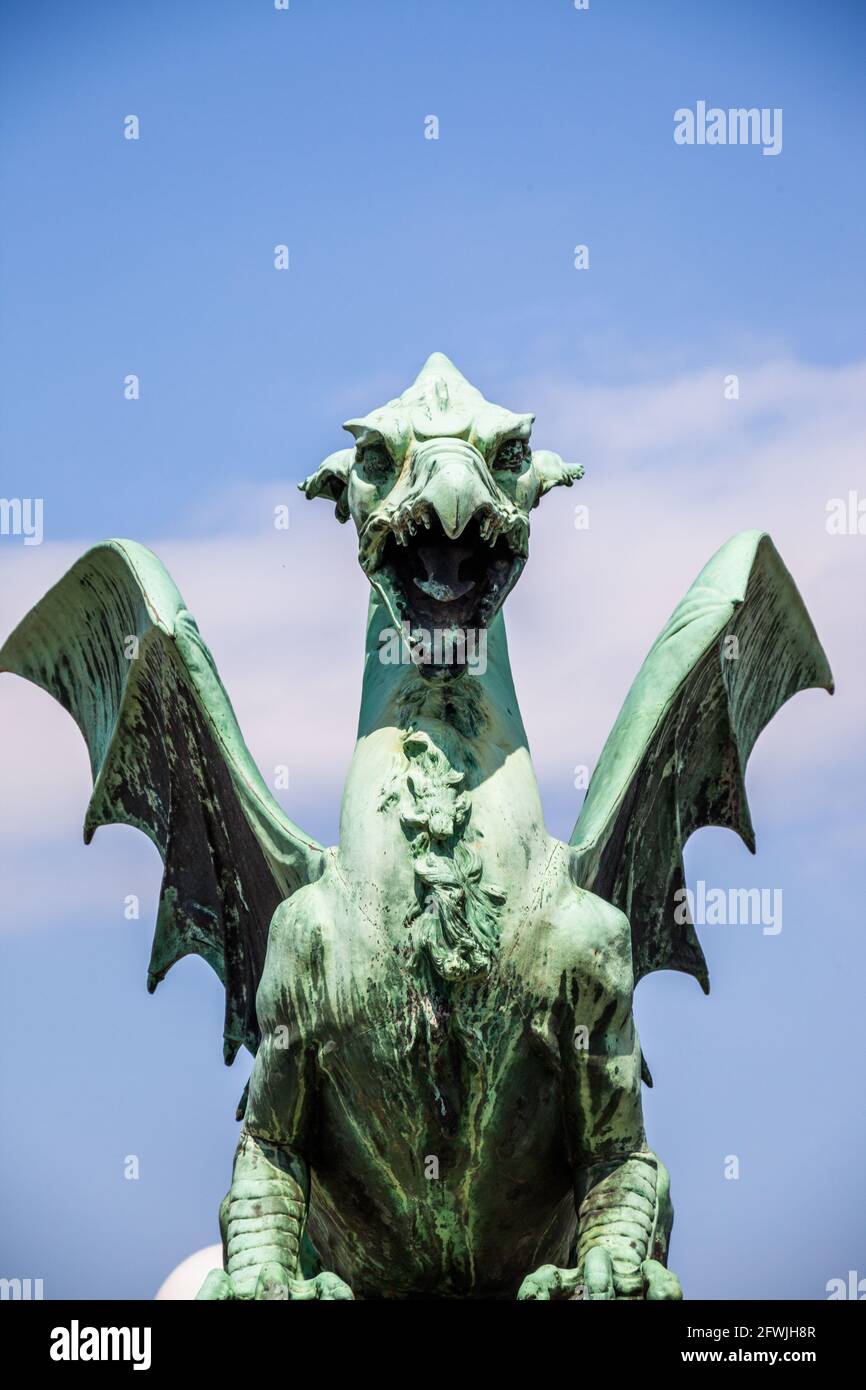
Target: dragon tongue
442, 592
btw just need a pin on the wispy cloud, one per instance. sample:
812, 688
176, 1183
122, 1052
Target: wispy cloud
673, 469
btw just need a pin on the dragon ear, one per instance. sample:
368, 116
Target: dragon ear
331, 480
551, 471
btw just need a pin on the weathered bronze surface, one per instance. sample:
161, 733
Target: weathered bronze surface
446, 1095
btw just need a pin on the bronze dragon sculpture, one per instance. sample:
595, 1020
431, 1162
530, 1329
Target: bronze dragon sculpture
446, 1094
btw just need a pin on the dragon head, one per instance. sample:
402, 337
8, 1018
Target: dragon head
440, 484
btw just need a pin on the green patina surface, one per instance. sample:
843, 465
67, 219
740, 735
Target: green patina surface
446, 1095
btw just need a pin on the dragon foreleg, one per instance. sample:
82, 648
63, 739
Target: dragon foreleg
262, 1222
625, 1212
624, 1221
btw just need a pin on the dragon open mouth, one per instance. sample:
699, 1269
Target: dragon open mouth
448, 583
434, 583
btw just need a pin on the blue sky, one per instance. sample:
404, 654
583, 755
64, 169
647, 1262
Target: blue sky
155, 257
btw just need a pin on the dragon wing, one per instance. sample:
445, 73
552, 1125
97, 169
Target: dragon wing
739, 645
114, 643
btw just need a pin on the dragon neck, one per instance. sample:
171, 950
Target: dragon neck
434, 765
476, 711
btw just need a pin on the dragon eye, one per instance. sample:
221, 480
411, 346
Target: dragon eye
375, 461
511, 456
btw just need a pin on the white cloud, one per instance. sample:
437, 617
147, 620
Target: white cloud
663, 496
673, 469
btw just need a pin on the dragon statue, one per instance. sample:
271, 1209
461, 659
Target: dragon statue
445, 1100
